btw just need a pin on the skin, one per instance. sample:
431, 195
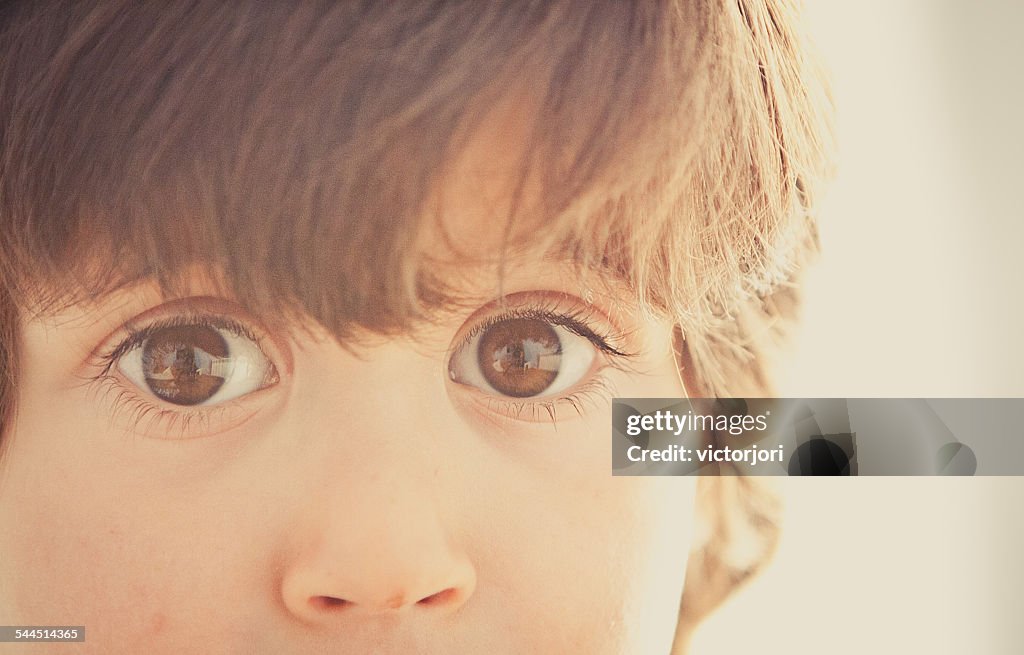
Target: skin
416, 488
364, 502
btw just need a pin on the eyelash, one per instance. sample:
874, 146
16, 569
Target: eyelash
143, 413
577, 320
147, 415
138, 336
593, 390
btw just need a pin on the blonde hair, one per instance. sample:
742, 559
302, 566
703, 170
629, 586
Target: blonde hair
679, 146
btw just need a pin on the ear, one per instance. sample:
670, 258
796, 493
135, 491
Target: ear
738, 521
738, 531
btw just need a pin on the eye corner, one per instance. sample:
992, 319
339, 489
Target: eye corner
230, 365
552, 354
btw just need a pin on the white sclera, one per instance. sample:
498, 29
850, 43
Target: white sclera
576, 359
245, 370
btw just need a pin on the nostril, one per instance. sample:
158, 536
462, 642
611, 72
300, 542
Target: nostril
442, 597
328, 602
398, 601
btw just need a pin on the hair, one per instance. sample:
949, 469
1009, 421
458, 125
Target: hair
677, 144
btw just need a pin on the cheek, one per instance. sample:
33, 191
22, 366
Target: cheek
656, 557
160, 558
600, 560
596, 560
90, 542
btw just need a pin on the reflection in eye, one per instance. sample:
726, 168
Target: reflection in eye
196, 364
523, 358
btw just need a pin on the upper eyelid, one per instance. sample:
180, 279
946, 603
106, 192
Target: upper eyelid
579, 314
136, 335
132, 334
541, 304
570, 323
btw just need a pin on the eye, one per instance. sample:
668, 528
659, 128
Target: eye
197, 364
522, 358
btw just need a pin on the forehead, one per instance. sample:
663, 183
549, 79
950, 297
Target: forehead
489, 195
482, 233
356, 210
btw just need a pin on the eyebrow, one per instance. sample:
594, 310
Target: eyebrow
459, 281
561, 263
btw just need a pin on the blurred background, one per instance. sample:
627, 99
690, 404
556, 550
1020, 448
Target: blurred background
918, 289
918, 293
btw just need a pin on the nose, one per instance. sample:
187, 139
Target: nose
411, 569
373, 540
378, 527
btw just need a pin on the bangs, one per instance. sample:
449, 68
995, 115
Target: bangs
296, 148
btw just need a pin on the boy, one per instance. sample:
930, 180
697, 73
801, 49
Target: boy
312, 313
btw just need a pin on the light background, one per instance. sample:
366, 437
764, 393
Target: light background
918, 294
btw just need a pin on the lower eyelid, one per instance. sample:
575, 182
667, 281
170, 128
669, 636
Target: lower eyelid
598, 388
140, 416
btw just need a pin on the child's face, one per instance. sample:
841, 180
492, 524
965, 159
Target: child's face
228, 485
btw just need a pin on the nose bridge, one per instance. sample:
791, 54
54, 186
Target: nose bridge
385, 503
377, 535
389, 399
385, 390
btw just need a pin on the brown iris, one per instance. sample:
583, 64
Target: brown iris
183, 364
520, 357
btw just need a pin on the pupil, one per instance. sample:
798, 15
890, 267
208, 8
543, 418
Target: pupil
520, 357
185, 365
